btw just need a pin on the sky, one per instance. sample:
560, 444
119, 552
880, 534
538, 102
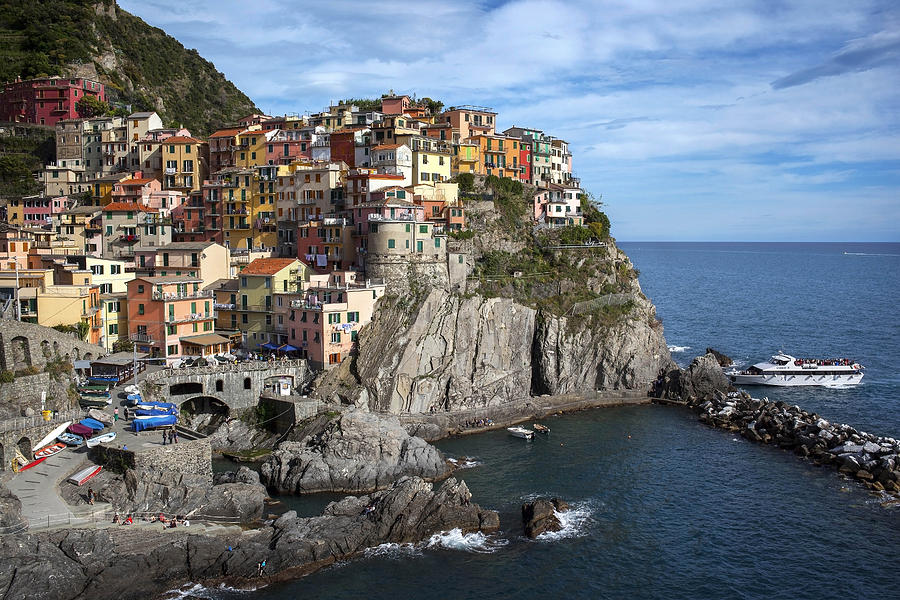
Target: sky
690, 120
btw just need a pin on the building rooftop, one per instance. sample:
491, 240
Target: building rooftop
267, 266
182, 139
206, 339
229, 284
231, 132
171, 279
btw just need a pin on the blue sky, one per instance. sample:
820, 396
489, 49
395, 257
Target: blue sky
694, 120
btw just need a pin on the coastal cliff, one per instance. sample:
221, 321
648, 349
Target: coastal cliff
453, 352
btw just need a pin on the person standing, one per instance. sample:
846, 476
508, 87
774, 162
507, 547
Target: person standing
90, 495
165, 436
116, 414
174, 436
126, 413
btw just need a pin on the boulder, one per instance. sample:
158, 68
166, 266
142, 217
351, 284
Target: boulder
540, 516
358, 452
724, 361
11, 519
702, 380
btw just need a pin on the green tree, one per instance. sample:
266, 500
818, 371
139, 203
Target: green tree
433, 106
596, 219
90, 106
466, 182
83, 328
15, 176
123, 345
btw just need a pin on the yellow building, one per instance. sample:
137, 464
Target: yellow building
431, 158
48, 304
493, 150
102, 188
114, 313
254, 300
249, 198
466, 158
185, 163
251, 148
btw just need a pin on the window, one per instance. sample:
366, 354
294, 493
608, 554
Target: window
334, 359
423, 228
268, 282
219, 385
140, 309
246, 383
419, 246
335, 338
244, 284
173, 350
172, 330
114, 329
437, 242
391, 243
334, 318
353, 317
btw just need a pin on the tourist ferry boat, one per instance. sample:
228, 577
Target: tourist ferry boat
786, 370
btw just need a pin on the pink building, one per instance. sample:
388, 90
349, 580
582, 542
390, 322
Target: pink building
170, 317
46, 100
137, 190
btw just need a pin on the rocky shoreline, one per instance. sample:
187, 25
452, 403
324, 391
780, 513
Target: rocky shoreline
144, 561
872, 460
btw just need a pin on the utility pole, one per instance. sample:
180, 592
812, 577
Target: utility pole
18, 303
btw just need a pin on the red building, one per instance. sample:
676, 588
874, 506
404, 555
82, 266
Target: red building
525, 161
46, 101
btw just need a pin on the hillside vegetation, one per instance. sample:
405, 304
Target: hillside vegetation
141, 65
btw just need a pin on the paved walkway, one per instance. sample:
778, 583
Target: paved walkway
37, 488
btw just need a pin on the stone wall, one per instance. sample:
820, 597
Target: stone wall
236, 386
27, 432
24, 393
401, 272
24, 345
190, 456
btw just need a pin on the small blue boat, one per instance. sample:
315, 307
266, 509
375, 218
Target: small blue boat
70, 439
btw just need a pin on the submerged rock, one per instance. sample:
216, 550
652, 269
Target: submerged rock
358, 452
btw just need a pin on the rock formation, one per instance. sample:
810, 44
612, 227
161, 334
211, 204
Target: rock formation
540, 517
358, 452
185, 494
700, 381
873, 460
125, 563
11, 519
724, 361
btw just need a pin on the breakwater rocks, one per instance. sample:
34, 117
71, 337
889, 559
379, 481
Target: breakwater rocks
144, 561
358, 452
871, 459
540, 517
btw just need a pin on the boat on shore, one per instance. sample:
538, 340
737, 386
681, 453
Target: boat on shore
785, 370
50, 450
85, 475
520, 432
70, 439
103, 438
48, 439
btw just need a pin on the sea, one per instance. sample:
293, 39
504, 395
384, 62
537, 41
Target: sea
662, 505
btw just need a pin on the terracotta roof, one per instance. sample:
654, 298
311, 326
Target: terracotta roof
181, 139
267, 266
127, 207
387, 146
227, 132
140, 181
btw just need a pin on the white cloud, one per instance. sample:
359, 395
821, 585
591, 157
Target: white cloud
668, 104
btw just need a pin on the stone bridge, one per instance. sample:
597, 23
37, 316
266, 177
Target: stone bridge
24, 345
234, 387
24, 432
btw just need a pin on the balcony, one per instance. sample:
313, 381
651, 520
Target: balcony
129, 239
182, 296
224, 306
204, 316
142, 337
401, 217
170, 170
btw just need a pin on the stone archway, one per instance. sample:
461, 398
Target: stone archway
24, 446
203, 413
46, 350
88, 356
21, 353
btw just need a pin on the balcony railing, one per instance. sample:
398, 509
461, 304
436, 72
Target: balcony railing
255, 307
142, 337
203, 316
170, 170
182, 296
224, 306
400, 217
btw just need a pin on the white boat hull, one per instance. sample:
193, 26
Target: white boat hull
520, 432
51, 436
788, 380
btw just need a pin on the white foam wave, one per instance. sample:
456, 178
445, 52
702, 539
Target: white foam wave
867, 254
575, 523
397, 551
466, 462
197, 590
477, 542
679, 348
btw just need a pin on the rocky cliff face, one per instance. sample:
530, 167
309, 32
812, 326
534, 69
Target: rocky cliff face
454, 352
358, 452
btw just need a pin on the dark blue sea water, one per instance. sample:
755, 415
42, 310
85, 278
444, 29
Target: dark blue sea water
666, 507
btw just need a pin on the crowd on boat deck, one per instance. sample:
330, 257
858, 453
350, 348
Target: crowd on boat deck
830, 362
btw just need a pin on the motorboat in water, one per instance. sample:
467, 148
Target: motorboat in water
520, 432
541, 428
785, 370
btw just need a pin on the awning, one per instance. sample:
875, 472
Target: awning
82, 364
207, 339
269, 346
287, 348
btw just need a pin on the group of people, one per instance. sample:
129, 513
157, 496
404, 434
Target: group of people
129, 520
170, 436
166, 523
478, 423
829, 362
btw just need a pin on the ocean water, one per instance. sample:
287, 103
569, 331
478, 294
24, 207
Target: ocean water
663, 506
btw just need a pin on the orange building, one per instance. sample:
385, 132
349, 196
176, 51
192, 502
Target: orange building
170, 317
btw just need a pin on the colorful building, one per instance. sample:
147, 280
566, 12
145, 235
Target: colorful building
46, 100
185, 163
165, 312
